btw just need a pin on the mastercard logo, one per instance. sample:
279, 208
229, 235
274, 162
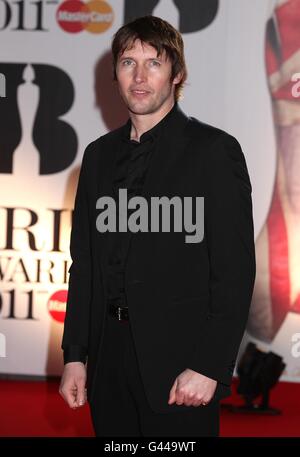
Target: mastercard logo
57, 305
95, 16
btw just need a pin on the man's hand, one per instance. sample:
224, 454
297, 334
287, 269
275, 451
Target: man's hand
72, 386
192, 389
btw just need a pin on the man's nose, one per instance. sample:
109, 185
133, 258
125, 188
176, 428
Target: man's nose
140, 74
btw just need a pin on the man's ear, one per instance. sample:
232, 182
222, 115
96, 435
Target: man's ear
178, 78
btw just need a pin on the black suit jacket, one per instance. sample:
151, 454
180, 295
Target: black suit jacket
189, 302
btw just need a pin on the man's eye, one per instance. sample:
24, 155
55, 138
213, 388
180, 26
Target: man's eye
155, 63
125, 62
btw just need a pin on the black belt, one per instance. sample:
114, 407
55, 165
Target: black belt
119, 312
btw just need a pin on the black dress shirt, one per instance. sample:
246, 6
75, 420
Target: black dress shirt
129, 173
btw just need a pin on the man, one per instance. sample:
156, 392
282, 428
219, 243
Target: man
158, 319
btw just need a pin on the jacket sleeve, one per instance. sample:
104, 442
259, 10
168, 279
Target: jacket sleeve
75, 335
229, 230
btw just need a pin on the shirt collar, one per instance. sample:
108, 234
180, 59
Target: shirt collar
155, 131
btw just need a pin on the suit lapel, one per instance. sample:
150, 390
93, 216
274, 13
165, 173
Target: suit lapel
108, 156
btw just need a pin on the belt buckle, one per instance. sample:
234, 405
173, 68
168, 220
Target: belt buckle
119, 313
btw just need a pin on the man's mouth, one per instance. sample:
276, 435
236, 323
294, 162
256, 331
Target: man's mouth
140, 92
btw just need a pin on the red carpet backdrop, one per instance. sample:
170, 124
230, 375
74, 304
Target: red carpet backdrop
57, 95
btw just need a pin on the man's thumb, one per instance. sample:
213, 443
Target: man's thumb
80, 393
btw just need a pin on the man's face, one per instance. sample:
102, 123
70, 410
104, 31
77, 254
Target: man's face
144, 79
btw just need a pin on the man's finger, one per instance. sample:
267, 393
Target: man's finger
179, 396
81, 399
172, 396
189, 399
70, 396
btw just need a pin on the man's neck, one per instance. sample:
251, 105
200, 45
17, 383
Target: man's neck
141, 123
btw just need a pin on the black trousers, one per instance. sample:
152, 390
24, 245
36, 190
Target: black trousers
120, 407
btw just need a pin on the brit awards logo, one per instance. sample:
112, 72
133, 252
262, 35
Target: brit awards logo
37, 144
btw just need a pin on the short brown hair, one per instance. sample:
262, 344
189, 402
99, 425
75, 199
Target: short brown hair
157, 33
